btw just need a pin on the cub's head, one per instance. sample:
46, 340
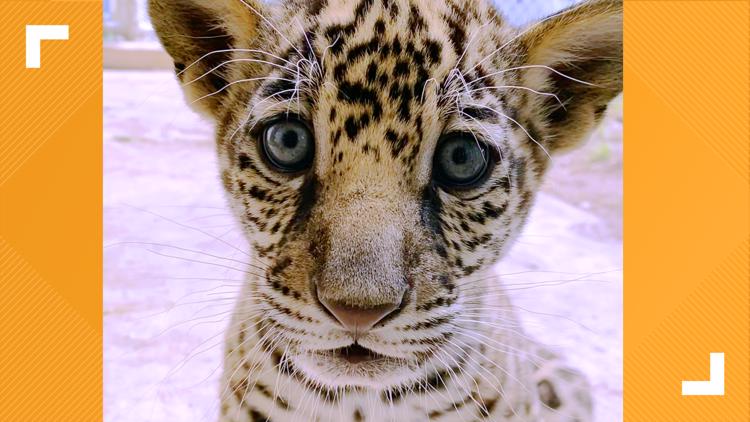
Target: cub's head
381, 155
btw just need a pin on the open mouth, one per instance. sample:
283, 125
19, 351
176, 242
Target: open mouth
355, 354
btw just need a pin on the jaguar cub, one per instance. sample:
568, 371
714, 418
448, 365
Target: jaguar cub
381, 156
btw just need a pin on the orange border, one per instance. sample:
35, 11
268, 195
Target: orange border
686, 206
686, 211
50, 216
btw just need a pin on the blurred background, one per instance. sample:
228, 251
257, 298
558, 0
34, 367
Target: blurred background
170, 242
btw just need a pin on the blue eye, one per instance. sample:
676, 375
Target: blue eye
460, 160
288, 145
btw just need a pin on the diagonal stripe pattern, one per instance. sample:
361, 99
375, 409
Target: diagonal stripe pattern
50, 216
686, 207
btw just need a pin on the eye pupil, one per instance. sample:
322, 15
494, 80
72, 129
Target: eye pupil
460, 156
290, 139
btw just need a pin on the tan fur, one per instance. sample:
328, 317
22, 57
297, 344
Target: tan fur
188, 37
557, 42
380, 84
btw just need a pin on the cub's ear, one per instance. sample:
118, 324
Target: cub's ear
197, 34
576, 55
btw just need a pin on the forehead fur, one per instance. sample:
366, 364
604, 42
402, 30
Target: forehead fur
380, 79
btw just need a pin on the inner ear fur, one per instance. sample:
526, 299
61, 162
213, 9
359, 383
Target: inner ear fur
196, 34
576, 55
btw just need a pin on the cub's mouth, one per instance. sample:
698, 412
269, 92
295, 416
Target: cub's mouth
356, 354
355, 365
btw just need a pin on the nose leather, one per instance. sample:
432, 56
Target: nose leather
356, 319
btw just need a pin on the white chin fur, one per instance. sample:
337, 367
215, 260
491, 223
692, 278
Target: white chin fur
335, 372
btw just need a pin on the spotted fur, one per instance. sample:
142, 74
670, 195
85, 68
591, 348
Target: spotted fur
379, 82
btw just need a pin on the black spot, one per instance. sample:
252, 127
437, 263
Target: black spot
281, 266
398, 143
362, 49
458, 37
401, 68
263, 389
403, 96
431, 209
307, 197
396, 46
410, 47
281, 89
482, 80
491, 211
352, 127
433, 383
404, 108
358, 416
357, 93
395, 91
385, 50
362, 8
244, 161
335, 35
258, 193
459, 262
439, 302
256, 416
433, 50
419, 85
416, 22
393, 9
291, 54
340, 71
417, 56
307, 42
372, 72
441, 251
489, 407
315, 6
548, 395
471, 269
430, 323
479, 113
446, 282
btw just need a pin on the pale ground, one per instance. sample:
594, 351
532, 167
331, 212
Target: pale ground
164, 308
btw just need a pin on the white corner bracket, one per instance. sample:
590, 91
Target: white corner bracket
34, 36
714, 386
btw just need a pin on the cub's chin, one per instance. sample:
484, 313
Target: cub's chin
355, 366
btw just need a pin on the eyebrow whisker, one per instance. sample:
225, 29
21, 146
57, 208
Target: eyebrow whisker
548, 94
501, 114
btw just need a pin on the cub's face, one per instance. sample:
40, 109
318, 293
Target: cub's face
381, 156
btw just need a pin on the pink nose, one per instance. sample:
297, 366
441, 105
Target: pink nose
358, 320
